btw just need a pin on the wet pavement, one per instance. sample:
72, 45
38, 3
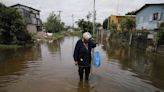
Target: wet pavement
49, 67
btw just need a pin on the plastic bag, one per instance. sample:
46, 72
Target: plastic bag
97, 58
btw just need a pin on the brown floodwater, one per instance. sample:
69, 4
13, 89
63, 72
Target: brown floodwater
49, 67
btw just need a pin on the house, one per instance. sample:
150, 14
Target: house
30, 16
149, 16
114, 21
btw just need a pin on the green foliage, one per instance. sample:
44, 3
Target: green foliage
85, 25
12, 28
57, 35
123, 24
2, 5
160, 34
105, 24
98, 25
113, 26
162, 25
53, 24
131, 13
128, 24
10, 46
76, 33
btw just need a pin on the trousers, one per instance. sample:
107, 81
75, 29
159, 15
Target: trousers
86, 70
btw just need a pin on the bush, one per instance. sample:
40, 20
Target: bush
12, 27
160, 34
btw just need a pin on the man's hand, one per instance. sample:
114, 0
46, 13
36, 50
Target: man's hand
76, 63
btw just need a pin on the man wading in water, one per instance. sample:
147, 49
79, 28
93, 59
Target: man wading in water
82, 55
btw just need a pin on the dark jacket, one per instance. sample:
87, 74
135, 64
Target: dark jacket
83, 55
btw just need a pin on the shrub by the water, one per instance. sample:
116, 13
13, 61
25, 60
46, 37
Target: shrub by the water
12, 27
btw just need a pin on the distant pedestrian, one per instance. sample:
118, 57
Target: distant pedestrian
82, 55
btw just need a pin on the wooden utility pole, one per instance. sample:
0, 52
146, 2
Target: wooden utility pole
72, 21
94, 18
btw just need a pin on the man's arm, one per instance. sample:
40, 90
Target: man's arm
93, 44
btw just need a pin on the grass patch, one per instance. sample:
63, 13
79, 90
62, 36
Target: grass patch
76, 33
57, 36
10, 46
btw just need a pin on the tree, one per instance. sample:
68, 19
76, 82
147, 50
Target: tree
131, 13
2, 6
113, 26
105, 24
123, 25
53, 24
130, 24
98, 25
12, 27
85, 25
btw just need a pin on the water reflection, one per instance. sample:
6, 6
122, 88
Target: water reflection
148, 66
83, 87
54, 46
14, 61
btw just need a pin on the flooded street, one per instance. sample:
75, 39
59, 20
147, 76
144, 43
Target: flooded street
49, 67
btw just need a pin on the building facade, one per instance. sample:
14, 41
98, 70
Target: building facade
149, 16
30, 16
114, 22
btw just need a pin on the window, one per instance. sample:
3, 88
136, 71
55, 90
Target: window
112, 21
32, 15
27, 14
155, 16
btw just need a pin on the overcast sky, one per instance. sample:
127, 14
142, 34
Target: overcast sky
80, 8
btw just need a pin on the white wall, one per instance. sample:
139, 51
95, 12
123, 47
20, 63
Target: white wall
31, 28
144, 18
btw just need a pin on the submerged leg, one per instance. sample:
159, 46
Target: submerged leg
87, 72
81, 70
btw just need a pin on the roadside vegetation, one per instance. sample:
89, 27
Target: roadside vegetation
57, 35
54, 26
12, 28
160, 34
